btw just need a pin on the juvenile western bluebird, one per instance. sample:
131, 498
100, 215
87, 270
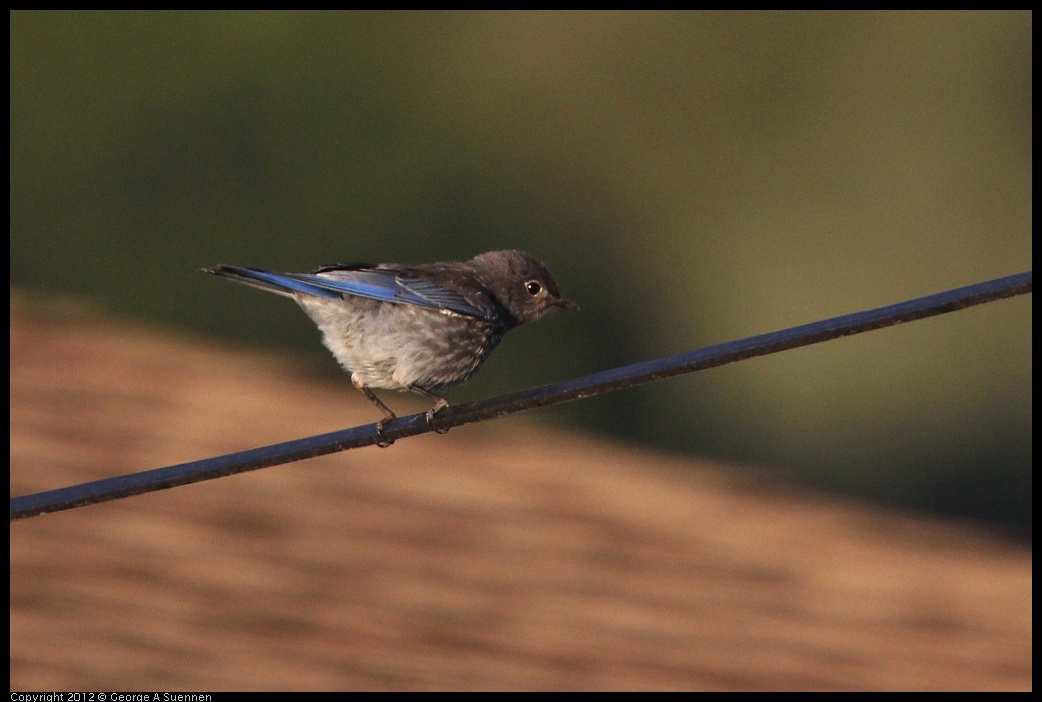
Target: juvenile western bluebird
415, 327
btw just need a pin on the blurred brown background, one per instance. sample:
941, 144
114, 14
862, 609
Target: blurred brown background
505, 555
833, 517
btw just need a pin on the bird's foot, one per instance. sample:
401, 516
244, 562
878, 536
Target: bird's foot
384, 442
438, 407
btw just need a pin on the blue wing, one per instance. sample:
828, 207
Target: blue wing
334, 283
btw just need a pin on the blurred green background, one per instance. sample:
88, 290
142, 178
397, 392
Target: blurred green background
690, 177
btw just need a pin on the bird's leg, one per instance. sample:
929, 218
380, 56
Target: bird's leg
439, 404
388, 414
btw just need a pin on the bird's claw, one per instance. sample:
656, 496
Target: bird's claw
430, 418
384, 442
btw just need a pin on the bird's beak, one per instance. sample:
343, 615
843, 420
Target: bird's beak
567, 304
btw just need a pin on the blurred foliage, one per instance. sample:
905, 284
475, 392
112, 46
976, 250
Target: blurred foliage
691, 178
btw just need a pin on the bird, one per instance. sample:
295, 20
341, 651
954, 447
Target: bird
415, 327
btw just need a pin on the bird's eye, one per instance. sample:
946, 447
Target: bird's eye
533, 287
